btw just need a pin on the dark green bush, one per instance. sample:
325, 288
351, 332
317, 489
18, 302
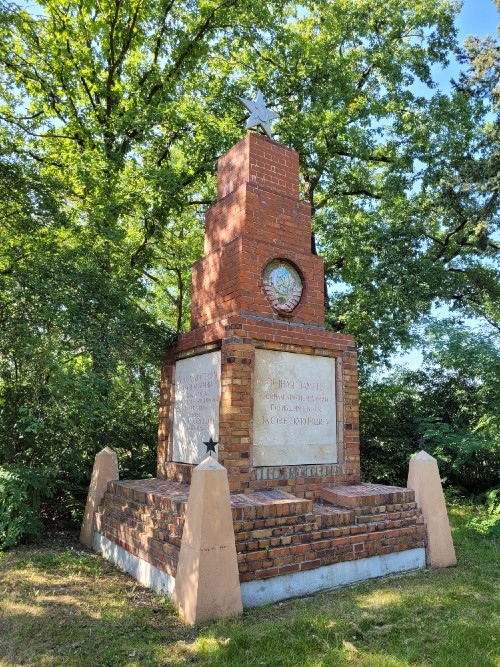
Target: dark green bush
21, 489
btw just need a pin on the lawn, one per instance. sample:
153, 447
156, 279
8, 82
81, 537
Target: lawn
63, 606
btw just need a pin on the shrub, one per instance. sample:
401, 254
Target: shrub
489, 524
21, 489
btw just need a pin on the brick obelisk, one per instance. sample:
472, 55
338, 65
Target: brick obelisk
216, 381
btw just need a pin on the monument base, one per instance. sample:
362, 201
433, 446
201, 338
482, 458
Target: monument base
276, 589
287, 546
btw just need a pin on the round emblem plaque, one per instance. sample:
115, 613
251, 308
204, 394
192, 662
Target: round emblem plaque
282, 285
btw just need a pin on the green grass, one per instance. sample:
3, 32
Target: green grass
61, 606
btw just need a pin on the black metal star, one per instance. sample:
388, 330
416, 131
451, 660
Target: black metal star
210, 445
421, 442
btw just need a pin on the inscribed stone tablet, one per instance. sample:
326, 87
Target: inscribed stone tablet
196, 406
294, 420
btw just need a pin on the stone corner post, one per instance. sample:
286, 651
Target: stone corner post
423, 477
207, 581
105, 470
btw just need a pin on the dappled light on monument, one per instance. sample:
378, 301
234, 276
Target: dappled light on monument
271, 396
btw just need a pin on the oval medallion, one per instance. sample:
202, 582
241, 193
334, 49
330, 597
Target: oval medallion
282, 285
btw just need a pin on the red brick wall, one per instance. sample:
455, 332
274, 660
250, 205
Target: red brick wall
238, 338
257, 218
257, 159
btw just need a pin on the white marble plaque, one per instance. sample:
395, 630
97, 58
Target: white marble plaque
294, 419
196, 406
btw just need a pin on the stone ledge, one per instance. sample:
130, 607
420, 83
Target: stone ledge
366, 495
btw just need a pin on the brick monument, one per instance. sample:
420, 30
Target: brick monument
283, 395
260, 375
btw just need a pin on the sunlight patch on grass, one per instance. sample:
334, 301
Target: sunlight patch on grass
380, 599
20, 608
61, 607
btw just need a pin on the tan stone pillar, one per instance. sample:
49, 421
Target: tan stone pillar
105, 470
423, 477
207, 582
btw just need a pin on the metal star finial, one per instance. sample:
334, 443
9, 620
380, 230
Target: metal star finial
210, 445
259, 114
421, 442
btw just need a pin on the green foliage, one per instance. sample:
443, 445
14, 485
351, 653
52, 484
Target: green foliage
389, 427
406, 208
466, 459
21, 489
80, 343
489, 524
112, 117
452, 402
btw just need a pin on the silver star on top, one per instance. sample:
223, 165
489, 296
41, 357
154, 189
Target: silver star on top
259, 114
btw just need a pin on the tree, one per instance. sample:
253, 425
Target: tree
121, 101
452, 401
385, 168
112, 116
133, 102
79, 355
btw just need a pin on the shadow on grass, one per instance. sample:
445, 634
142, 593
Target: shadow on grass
73, 609
65, 607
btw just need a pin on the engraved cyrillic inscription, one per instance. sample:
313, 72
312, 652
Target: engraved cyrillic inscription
294, 421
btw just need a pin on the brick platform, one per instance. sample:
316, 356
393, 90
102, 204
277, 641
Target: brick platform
276, 533
362, 495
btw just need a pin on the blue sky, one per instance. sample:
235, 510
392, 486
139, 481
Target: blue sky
479, 18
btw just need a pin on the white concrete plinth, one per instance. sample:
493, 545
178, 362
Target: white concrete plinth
275, 589
146, 574
265, 591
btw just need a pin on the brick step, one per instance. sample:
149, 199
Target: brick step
359, 496
135, 536
141, 512
133, 507
264, 504
330, 546
162, 494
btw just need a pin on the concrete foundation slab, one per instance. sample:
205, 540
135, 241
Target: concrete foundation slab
257, 593
275, 589
146, 574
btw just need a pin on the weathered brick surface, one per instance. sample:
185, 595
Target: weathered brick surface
276, 533
259, 217
362, 495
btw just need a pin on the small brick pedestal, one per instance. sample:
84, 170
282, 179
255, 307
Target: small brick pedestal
300, 527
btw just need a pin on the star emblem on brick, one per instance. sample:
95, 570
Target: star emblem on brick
259, 113
210, 445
